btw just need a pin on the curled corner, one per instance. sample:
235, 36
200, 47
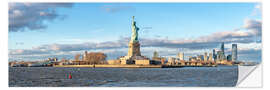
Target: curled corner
249, 76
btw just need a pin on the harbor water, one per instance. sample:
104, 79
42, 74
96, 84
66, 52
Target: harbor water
225, 76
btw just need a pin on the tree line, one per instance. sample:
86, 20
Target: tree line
92, 58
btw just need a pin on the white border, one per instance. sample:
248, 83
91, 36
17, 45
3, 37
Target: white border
4, 39
134, 0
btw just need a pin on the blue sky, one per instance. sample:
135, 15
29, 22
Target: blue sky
178, 23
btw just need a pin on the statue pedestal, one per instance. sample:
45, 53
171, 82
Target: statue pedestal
134, 49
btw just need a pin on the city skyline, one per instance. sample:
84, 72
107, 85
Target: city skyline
192, 28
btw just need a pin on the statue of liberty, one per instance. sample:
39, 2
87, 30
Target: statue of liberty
135, 30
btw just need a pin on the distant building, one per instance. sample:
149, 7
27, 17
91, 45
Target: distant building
157, 60
181, 56
193, 58
85, 56
234, 52
205, 57
222, 48
190, 58
214, 55
229, 57
53, 59
200, 57
142, 62
126, 60
171, 60
210, 57
163, 60
113, 62
156, 57
220, 55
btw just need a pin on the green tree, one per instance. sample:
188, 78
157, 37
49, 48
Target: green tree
155, 54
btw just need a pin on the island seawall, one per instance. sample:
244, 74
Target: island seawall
113, 66
130, 66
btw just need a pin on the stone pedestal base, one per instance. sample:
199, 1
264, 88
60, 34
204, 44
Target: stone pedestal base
134, 49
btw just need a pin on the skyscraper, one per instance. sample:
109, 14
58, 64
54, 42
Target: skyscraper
214, 55
218, 55
222, 47
205, 56
234, 52
222, 53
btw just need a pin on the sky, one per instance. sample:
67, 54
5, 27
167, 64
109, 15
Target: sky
41, 30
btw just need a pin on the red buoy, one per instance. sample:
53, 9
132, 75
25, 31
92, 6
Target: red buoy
69, 76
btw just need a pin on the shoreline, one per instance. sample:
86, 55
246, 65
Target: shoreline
129, 66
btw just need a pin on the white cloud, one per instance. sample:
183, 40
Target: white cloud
32, 15
116, 8
254, 26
